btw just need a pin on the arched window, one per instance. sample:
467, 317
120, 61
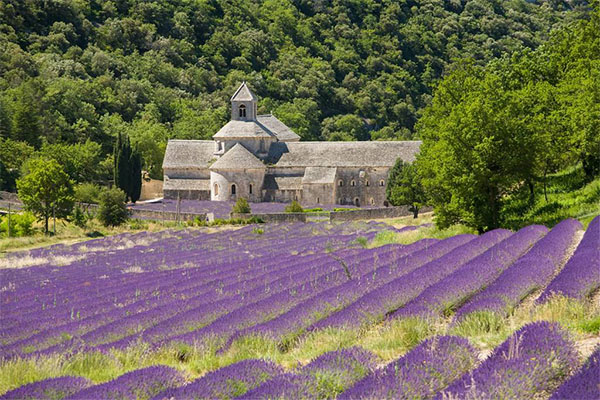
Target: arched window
381, 183
357, 202
250, 188
367, 182
233, 189
372, 201
352, 183
318, 202
242, 111
340, 183
216, 189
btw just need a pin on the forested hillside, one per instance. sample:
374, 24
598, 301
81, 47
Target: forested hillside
75, 70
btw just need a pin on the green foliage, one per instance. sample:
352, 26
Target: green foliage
79, 70
12, 156
46, 190
491, 133
80, 160
112, 210
241, 206
87, 193
79, 217
20, 224
405, 187
294, 207
127, 168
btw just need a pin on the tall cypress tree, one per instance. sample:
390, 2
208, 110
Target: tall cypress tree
127, 168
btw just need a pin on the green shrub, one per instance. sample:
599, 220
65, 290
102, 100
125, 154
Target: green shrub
241, 206
79, 217
137, 224
20, 224
88, 193
112, 210
295, 207
316, 209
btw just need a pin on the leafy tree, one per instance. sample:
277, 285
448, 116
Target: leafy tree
46, 190
404, 187
12, 156
80, 160
241, 206
112, 210
20, 224
477, 149
87, 193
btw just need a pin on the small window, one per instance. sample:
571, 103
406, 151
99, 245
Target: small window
367, 182
357, 202
242, 111
381, 183
352, 183
372, 201
340, 183
216, 189
318, 202
233, 189
250, 189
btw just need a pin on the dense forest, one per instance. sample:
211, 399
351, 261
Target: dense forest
74, 73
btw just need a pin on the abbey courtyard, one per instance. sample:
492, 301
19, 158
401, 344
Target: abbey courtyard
261, 159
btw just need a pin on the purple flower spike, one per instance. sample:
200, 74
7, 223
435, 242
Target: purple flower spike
420, 373
226, 382
53, 388
585, 384
139, 384
527, 363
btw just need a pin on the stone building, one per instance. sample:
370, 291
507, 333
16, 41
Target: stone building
258, 157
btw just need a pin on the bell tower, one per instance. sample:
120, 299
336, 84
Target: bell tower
243, 104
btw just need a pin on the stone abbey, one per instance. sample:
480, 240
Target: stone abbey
258, 157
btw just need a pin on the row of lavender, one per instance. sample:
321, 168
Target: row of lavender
536, 360
98, 298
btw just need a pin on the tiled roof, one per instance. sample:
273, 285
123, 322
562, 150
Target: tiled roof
186, 184
243, 129
238, 157
342, 154
189, 154
281, 130
320, 175
243, 93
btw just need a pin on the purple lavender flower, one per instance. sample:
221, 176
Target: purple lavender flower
585, 384
527, 363
225, 383
284, 386
530, 272
445, 295
581, 274
139, 384
48, 389
420, 373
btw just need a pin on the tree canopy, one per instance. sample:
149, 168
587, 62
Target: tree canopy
73, 71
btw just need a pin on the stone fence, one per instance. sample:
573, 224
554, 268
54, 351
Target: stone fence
373, 213
274, 217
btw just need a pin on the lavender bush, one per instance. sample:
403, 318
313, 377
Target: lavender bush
581, 274
419, 374
530, 272
585, 384
48, 389
528, 363
450, 292
139, 384
225, 383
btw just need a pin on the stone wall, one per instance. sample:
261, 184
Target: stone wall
165, 215
275, 217
365, 185
373, 213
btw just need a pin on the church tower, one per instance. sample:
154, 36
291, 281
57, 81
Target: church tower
243, 104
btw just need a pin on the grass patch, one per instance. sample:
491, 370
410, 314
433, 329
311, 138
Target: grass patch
393, 237
569, 196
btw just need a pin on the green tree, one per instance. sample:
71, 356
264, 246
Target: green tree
127, 168
241, 206
478, 147
46, 190
112, 210
294, 207
404, 187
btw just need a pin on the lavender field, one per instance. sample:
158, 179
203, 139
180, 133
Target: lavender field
304, 311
